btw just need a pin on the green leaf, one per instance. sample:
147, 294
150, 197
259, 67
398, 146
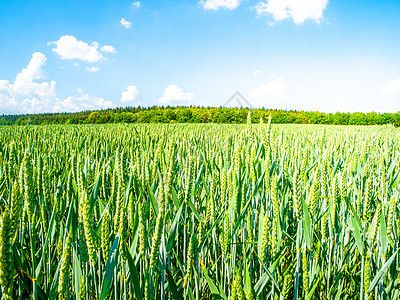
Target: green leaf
77, 271
239, 220
54, 284
382, 272
51, 226
307, 230
194, 210
175, 198
214, 290
153, 200
95, 193
172, 285
173, 229
97, 229
260, 230
339, 293
259, 286
134, 276
311, 292
357, 235
20, 269
383, 234
247, 280
128, 190
355, 215
210, 231
198, 178
109, 269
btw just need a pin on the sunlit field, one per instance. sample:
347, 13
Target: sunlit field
199, 212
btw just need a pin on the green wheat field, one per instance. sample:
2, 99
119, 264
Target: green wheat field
199, 212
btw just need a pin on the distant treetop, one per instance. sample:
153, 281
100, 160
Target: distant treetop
196, 114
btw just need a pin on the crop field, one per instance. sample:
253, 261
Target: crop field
199, 212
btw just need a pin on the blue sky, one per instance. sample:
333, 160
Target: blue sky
319, 55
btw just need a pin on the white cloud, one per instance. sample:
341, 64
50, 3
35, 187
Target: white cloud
257, 72
136, 4
25, 93
272, 88
174, 93
298, 10
126, 23
391, 88
131, 94
108, 49
101, 103
217, 4
81, 102
4, 85
92, 69
33, 70
68, 47
68, 104
31, 93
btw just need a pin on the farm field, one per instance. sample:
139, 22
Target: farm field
199, 212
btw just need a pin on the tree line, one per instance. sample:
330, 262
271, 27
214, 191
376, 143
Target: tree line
198, 114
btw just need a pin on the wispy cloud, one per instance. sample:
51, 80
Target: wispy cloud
81, 102
126, 23
275, 87
92, 69
108, 49
298, 10
217, 4
392, 88
136, 4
